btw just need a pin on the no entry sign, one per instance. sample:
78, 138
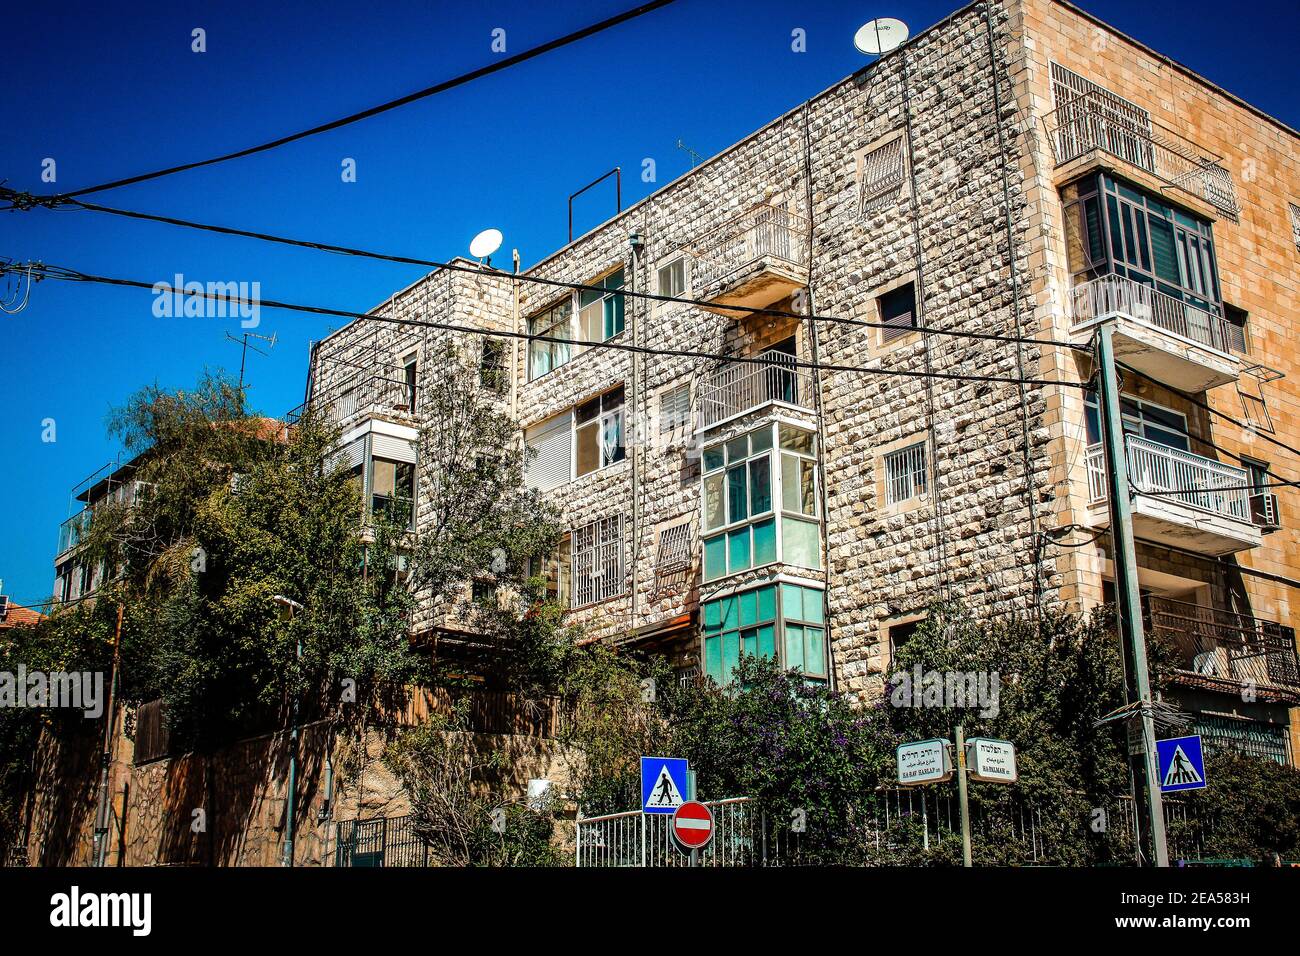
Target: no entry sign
692, 825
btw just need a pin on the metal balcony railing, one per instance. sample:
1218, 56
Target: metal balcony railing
367, 393
1177, 476
765, 231
1112, 294
738, 387
73, 530
1090, 123
1217, 644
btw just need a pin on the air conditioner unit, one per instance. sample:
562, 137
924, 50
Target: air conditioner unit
1263, 512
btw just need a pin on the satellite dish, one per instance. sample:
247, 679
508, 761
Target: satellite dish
880, 36
485, 243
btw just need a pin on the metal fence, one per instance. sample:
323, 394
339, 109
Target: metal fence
388, 841
737, 387
1217, 643
744, 836
764, 232
1178, 476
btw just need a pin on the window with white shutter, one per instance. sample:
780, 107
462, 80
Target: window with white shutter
550, 452
674, 408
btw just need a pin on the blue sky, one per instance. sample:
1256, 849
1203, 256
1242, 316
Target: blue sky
111, 90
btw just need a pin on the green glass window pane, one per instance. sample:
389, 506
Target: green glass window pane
715, 511
793, 646
767, 641
713, 458
767, 603
1116, 240
730, 654
737, 494
738, 549
613, 315
760, 440
713, 615
760, 485
713, 658
792, 602
812, 606
796, 439
764, 542
748, 609
815, 651
1162, 248
738, 448
730, 615
749, 642
715, 557
800, 543
798, 485
1092, 217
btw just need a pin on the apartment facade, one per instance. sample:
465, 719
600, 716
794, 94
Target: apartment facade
859, 411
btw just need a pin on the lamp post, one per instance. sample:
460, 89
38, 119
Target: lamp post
288, 607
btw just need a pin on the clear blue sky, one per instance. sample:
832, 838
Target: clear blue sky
110, 92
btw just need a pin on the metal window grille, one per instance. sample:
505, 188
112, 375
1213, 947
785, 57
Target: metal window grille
1127, 133
674, 548
674, 408
1295, 224
881, 177
906, 474
598, 561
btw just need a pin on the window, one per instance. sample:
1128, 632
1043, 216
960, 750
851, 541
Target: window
554, 573
740, 498
881, 174
674, 551
1295, 223
549, 448
900, 634
672, 278
598, 427
1236, 328
897, 311
784, 622
674, 408
492, 372
555, 324
907, 474
410, 377
392, 490
599, 316
1143, 419
598, 561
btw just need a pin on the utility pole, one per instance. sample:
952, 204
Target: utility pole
106, 758
1144, 771
963, 795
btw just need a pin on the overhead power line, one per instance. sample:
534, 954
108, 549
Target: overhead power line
442, 87
537, 280
66, 274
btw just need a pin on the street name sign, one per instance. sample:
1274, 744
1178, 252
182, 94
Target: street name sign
924, 761
991, 760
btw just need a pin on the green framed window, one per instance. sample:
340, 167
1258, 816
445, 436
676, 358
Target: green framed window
783, 622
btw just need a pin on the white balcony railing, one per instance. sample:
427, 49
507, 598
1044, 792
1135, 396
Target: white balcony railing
737, 387
1118, 295
1176, 476
765, 231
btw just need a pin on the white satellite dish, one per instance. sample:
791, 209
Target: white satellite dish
880, 36
485, 243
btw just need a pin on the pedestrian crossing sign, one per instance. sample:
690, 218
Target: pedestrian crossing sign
663, 784
1181, 764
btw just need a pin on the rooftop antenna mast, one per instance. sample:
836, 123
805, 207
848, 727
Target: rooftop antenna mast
243, 357
696, 158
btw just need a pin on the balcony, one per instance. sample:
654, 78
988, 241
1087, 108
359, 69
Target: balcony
367, 395
73, 530
1222, 650
1090, 129
1181, 499
1157, 334
754, 260
740, 387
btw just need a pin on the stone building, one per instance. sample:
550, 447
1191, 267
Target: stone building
876, 396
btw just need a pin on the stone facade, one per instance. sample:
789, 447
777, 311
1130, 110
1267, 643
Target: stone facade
973, 221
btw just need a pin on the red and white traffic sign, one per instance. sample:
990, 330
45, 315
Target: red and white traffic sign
692, 825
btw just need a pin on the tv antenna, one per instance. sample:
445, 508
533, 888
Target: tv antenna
696, 158
243, 357
880, 36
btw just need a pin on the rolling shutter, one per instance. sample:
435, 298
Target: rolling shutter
550, 452
394, 449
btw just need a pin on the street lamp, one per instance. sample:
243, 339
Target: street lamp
288, 607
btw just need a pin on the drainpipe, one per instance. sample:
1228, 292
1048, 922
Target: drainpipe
291, 606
